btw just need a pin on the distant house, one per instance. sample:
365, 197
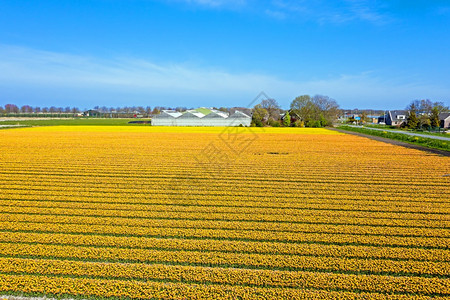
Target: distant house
444, 120
196, 118
374, 119
91, 113
395, 117
293, 116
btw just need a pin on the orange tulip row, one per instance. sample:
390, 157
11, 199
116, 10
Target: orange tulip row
228, 276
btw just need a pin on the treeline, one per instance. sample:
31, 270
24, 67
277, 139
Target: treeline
27, 109
424, 114
305, 111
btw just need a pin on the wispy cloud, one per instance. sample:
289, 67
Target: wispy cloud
336, 12
321, 11
212, 3
276, 14
57, 75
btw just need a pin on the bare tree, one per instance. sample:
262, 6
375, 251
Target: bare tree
26, 109
328, 108
272, 107
11, 108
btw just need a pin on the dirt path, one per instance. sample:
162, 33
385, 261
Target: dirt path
395, 142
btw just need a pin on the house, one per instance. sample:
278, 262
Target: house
395, 117
292, 114
196, 118
444, 120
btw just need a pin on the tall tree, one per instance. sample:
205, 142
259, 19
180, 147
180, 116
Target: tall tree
328, 109
304, 108
272, 107
412, 120
26, 109
425, 106
434, 118
287, 119
11, 108
317, 111
441, 107
259, 116
363, 117
424, 120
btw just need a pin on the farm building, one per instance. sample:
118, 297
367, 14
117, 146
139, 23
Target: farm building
196, 118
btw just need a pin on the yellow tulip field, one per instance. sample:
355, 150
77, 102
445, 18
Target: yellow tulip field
145, 212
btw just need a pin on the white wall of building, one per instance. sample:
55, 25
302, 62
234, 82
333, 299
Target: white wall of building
169, 119
199, 122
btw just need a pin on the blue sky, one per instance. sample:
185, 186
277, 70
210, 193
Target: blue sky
365, 54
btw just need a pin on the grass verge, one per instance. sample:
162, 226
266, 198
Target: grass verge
415, 140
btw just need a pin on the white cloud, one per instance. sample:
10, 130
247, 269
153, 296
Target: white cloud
72, 76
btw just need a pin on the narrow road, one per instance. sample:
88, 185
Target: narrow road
430, 136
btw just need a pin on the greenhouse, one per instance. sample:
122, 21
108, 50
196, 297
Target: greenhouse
196, 118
